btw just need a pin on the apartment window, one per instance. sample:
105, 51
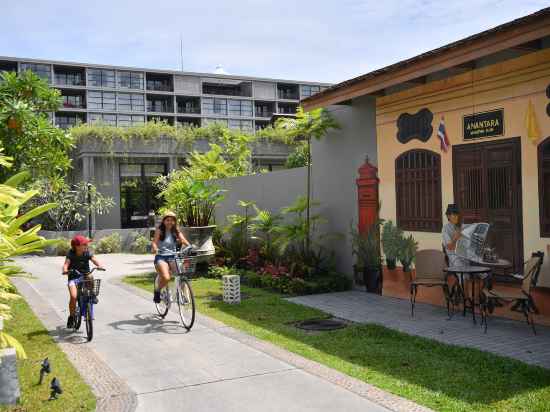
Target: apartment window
190, 105
243, 89
264, 109
287, 108
160, 82
288, 91
418, 191
126, 120
66, 120
69, 79
259, 125
544, 187
160, 104
41, 70
207, 121
138, 193
108, 119
241, 108
131, 102
101, 78
243, 125
214, 106
101, 100
308, 90
189, 121
130, 80
73, 101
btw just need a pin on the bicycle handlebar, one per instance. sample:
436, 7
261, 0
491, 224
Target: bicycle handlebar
80, 274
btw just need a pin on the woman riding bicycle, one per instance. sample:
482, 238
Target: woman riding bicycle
164, 247
78, 259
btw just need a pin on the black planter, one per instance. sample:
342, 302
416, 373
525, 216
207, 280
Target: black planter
390, 263
358, 276
406, 266
373, 279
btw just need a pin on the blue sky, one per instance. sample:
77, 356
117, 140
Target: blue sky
305, 40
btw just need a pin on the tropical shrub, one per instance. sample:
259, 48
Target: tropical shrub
109, 244
63, 247
409, 247
391, 242
366, 246
217, 272
15, 241
140, 245
72, 203
26, 132
300, 157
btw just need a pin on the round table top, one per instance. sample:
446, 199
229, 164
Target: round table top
467, 269
500, 263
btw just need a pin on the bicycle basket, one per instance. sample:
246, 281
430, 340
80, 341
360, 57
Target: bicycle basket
186, 265
89, 286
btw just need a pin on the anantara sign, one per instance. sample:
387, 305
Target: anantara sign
486, 124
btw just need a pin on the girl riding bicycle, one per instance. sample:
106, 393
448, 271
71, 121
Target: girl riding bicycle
78, 258
164, 247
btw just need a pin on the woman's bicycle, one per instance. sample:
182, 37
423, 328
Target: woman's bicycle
181, 293
87, 289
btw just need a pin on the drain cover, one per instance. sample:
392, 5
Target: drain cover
321, 324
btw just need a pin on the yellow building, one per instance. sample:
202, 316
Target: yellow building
490, 93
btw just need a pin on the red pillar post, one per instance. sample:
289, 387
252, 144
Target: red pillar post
367, 195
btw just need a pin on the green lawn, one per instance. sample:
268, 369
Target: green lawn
76, 395
442, 377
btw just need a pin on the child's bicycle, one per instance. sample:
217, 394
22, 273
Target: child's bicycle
181, 293
86, 290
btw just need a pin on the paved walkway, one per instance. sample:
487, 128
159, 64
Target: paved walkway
159, 367
504, 337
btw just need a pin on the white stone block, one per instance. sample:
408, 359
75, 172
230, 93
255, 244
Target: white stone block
231, 288
9, 381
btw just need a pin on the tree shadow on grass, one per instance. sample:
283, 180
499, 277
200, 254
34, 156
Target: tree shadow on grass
417, 368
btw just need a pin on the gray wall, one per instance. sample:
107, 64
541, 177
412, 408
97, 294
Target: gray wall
271, 191
336, 159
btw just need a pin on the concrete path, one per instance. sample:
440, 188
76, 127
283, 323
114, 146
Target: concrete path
212, 368
504, 337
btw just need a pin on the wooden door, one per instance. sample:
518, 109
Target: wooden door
487, 188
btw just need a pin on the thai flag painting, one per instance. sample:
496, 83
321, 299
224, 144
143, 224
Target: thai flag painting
442, 134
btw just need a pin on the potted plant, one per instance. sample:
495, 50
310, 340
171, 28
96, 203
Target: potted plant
409, 246
366, 247
391, 242
193, 201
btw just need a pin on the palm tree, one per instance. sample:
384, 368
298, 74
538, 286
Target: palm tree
315, 123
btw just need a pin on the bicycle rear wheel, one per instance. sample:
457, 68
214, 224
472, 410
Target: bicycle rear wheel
89, 322
77, 317
164, 305
186, 303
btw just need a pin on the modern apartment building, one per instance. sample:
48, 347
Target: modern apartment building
123, 96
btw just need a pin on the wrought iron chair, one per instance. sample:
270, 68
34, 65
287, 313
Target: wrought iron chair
429, 273
520, 299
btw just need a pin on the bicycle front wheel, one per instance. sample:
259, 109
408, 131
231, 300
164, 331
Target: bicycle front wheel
186, 304
89, 322
164, 305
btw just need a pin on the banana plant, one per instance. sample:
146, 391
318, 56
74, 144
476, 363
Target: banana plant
16, 240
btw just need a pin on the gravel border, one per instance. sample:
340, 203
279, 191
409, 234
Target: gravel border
111, 392
363, 389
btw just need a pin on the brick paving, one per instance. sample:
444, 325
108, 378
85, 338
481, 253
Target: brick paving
504, 337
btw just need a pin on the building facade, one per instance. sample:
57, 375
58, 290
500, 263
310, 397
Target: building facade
123, 96
489, 94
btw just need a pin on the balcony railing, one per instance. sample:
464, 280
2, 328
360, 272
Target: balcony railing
288, 95
159, 107
62, 80
264, 113
189, 110
158, 86
69, 105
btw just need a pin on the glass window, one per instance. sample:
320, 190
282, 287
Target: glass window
243, 125
308, 90
131, 102
69, 79
101, 78
418, 191
41, 70
126, 120
101, 100
109, 119
214, 106
138, 194
240, 108
130, 80
66, 121
207, 121
72, 101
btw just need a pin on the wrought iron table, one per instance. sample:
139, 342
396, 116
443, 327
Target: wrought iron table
475, 272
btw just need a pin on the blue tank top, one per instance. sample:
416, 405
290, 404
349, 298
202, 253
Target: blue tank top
167, 246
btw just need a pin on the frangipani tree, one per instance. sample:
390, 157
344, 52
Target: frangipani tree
315, 123
15, 241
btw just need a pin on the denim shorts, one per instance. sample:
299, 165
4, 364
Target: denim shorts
74, 282
164, 258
